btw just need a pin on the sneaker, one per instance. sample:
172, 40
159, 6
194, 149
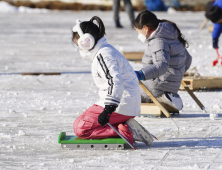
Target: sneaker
172, 100
139, 132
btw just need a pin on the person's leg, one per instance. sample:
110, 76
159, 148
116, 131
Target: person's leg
129, 9
116, 6
150, 85
86, 126
144, 97
170, 99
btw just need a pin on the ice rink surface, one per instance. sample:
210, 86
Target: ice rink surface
35, 109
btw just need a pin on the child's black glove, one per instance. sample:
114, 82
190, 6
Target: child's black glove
103, 118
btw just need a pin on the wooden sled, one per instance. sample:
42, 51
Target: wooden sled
210, 28
203, 24
205, 82
152, 110
156, 109
145, 109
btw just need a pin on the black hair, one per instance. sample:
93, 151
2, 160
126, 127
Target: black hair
150, 20
214, 14
89, 27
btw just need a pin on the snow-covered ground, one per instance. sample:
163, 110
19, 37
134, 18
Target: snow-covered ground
35, 109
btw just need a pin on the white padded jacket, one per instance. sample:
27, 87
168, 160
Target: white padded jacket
116, 79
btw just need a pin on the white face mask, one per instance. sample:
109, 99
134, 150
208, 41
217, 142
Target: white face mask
142, 37
85, 54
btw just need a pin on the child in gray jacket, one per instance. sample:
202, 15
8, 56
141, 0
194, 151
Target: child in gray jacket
165, 59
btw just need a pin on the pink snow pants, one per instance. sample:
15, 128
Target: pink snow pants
86, 126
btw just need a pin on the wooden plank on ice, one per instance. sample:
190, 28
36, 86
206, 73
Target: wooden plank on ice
133, 56
205, 82
152, 110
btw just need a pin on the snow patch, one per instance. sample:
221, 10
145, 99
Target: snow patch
21, 133
24, 115
11, 111
171, 10
48, 137
213, 116
196, 166
71, 160
7, 8
3, 135
42, 108
42, 164
23, 9
4, 125
216, 107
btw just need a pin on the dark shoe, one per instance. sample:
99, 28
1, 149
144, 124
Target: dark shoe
118, 25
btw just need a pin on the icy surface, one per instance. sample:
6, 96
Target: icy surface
35, 109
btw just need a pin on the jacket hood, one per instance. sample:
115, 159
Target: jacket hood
164, 30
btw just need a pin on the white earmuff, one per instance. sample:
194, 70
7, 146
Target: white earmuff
86, 41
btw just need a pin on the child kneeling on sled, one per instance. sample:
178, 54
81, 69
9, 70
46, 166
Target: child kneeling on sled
118, 85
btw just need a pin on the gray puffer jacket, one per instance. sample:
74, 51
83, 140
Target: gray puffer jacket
165, 60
